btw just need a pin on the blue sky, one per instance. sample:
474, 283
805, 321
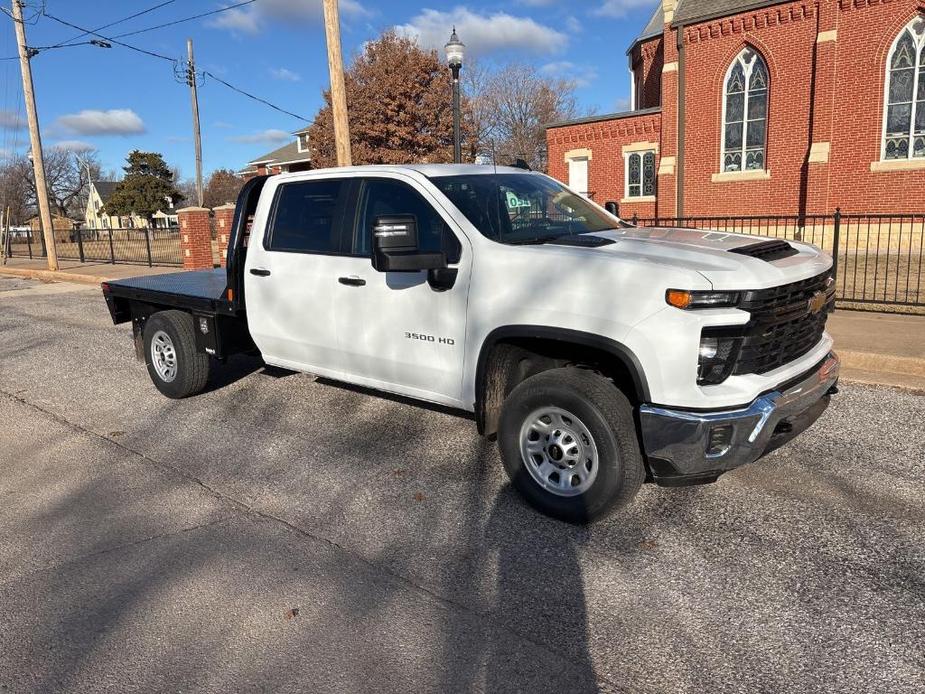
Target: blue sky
115, 100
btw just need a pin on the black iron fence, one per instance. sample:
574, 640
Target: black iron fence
879, 259
133, 246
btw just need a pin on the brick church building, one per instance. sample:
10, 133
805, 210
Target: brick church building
744, 107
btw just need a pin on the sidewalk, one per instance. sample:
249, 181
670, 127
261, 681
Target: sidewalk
879, 348
75, 271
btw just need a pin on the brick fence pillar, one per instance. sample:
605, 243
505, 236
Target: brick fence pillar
224, 215
195, 238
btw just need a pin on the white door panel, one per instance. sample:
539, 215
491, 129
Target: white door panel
397, 332
290, 311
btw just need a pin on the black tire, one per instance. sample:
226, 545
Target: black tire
606, 414
192, 367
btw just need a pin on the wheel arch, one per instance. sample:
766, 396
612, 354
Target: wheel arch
509, 354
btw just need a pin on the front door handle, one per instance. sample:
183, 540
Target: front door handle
260, 272
352, 281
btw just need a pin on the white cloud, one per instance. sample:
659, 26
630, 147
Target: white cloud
581, 75
269, 136
11, 120
253, 18
622, 104
5, 153
76, 146
284, 74
116, 121
536, 3
573, 24
222, 124
620, 8
483, 33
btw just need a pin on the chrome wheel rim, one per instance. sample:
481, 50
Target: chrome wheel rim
164, 356
559, 451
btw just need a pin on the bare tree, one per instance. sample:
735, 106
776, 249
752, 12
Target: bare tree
66, 174
510, 108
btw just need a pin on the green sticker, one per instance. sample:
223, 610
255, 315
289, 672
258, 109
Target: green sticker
513, 201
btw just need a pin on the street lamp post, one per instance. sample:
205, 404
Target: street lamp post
455, 50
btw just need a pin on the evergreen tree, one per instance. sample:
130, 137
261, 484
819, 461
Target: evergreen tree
144, 190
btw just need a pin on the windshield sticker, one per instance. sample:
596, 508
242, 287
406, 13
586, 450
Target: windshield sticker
514, 202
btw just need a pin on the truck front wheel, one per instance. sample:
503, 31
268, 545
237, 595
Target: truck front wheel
569, 445
175, 367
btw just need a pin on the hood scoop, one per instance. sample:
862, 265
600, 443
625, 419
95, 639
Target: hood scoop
767, 251
583, 240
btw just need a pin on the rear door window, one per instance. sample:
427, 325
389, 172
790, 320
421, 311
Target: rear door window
307, 216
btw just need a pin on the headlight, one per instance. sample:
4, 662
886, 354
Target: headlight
684, 299
717, 356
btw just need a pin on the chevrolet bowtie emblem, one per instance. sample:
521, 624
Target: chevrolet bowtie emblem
816, 302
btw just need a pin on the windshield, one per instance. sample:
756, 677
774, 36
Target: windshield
522, 208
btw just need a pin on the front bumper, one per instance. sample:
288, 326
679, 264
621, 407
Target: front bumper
686, 447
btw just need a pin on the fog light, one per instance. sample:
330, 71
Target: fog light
719, 441
708, 347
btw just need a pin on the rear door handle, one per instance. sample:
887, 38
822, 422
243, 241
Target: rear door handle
352, 281
260, 272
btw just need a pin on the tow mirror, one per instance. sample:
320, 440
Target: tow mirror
395, 246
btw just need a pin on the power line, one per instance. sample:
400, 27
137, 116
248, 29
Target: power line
255, 98
172, 60
186, 19
106, 26
111, 40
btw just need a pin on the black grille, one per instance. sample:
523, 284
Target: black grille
767, 250
782, 327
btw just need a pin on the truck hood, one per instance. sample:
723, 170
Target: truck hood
708, 252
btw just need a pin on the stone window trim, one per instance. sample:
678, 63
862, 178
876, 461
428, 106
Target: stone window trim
578, 154
749, 175
889, 165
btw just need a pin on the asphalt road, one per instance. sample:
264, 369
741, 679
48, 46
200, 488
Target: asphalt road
279, 533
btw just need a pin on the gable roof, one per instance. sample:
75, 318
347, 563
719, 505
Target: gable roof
691, 11
105, 189
282, 155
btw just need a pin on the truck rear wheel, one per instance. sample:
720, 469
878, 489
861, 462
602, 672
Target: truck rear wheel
569, 445
175, 367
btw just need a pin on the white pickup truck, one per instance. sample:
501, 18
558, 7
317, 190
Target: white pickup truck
599, 354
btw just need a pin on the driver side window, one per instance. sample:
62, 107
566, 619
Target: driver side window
386, 196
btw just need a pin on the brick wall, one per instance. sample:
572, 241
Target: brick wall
605, 139
866, 31
827, 65
647, 60
785, 36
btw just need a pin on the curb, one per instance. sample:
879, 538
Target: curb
49, 276
871, 362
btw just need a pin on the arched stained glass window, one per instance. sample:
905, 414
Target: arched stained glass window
745, 113
904, 108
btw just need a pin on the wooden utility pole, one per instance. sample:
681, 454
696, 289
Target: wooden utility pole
38, 162
197, 139
338, 94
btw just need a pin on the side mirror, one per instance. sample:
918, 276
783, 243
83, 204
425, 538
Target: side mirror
612, 207
395, 246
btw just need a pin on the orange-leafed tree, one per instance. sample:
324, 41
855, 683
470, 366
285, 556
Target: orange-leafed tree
400, 108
